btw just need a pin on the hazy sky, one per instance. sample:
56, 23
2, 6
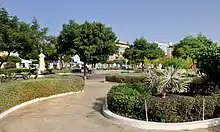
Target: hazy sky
157, 20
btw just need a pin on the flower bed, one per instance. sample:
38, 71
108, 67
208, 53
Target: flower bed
128, 101
15, 93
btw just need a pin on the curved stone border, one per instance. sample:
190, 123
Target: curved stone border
34, 101
156, 125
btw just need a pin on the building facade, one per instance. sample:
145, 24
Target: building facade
121, 49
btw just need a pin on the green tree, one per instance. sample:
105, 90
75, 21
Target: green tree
67, 59
36, 41
208, 61
88, 40
50, 48
141, 50
189, 46
14, 59
13, 35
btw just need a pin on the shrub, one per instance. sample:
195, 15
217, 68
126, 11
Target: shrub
125, 78
76, 70
129, 102
138, 71
10, 65
13, 70
203, 86
177, 63
125, 99
112, 68
18, 92
14, 59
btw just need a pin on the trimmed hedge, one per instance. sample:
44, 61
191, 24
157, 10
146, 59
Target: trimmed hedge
125, 78
13, 70
129, 102
202, 86
15, 93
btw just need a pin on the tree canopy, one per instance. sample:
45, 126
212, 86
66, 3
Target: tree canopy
208, 61
13, 34
93, 42
36, 41
142, 49
190, 46
26, 39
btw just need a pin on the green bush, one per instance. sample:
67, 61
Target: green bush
76, 70
18, 92
203, 86
13, 70
125, 78
112, 68
125, 99
177, 63
138, 71
9, 65
129, 102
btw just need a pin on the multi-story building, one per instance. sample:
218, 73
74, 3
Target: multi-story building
121, 49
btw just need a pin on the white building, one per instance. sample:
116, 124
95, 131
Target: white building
121, 49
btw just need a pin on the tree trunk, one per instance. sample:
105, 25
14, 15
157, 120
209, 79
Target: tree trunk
61, 63
164, 93
85, 70
142, 65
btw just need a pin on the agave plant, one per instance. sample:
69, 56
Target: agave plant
168, 80
152, 79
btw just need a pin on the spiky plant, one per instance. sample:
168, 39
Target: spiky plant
172, 81
168, 80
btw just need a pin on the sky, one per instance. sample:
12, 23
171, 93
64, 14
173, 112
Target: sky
156, 20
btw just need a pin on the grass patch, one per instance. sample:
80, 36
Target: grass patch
17, 92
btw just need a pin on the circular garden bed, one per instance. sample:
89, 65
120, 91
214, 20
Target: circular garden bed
128, 100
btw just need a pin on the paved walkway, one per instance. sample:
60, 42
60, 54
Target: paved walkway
72, 113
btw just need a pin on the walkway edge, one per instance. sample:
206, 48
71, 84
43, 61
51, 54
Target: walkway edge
156, 125
7, 112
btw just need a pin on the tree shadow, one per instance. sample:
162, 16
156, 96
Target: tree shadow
98, 104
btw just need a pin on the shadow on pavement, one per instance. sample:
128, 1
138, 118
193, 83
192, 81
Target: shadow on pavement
97, 105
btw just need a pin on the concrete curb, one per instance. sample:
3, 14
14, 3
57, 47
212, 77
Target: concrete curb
34, 101
157, 125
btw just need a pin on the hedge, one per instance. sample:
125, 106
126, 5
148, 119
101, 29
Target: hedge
203, 86
13, 70
128, 101
125, 78
17, 92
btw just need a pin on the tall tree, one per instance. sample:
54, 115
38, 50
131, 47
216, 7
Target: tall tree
190, 46
142, 49
88, 40
50, 48
12, 35
208, 61
37, 38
